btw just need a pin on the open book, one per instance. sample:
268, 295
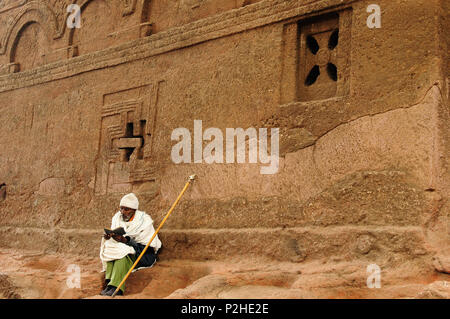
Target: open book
117, 231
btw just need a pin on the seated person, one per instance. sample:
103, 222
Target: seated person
119, 252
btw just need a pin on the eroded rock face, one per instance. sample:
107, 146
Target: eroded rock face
29, 274
52, 186
442, 263
88, 113
436, 290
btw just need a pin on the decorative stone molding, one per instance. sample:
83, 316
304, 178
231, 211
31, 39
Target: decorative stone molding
130, 7
11, 4
9, 68
221, 25
13, 67
72, 51
145, 29
34, 11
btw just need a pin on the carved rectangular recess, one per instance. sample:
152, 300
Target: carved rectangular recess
127, 127
316, 57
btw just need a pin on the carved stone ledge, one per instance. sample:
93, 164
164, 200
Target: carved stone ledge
146, 29
12, 4
221, 25
9, 68
72, 51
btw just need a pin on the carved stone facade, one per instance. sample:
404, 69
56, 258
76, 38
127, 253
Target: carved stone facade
106, 24
87, 115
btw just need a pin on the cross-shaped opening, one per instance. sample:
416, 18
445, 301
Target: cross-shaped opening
316, 57
314, 47
312, 75
334, 39
332, 71
131, 142
312, 44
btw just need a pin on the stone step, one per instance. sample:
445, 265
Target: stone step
296, 244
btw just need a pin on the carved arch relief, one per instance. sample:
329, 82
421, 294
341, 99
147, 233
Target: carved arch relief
48, 17
28, 37
35, 11
29, 48
97, 23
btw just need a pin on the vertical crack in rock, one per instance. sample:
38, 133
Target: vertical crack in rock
2, 192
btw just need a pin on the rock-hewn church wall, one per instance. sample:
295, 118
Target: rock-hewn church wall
87, 114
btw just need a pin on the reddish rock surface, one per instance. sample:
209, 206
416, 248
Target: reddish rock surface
87, 114
36, 275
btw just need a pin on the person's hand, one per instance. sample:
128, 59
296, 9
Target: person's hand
119, 238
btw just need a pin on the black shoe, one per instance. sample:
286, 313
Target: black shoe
105, 287
105, 291
111, 291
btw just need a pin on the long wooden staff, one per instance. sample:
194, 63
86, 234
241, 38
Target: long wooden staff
191, 179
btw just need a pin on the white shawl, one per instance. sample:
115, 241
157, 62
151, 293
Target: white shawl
140, 229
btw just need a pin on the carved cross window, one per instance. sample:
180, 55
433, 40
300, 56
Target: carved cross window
322, 55
316, 57
319, 71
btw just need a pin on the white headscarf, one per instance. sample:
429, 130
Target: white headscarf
130, 200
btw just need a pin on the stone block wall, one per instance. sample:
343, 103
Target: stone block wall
87, 114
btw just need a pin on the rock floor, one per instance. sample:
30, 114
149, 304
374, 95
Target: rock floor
31, 274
